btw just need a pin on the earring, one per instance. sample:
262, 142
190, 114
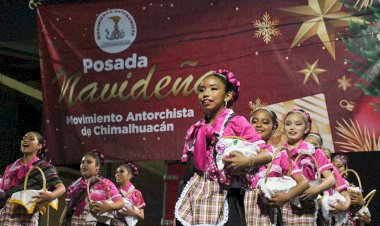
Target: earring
225, 104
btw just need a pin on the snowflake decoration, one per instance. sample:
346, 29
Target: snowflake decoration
258, 103
344, 83
266, 28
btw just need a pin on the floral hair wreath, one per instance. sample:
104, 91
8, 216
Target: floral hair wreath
231, 79
133, 167
100, 156
344, 158
304, 113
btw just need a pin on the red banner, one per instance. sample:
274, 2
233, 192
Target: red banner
121, 77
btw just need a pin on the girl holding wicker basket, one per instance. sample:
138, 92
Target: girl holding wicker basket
313, 164
134, 204
22, 174
332, 210
213, 195
358, 212
263, 204
91, 199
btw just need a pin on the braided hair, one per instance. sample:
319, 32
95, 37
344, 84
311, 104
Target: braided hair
43, 152
132, 169
97, 155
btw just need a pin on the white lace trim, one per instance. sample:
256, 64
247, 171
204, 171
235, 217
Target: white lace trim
296, 171
306, 151
274, 168
325, 166
307, 162
185, 223
224, 125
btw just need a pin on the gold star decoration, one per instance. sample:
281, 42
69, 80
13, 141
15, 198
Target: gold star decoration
323, 17
312, 71
344, 83
266, 28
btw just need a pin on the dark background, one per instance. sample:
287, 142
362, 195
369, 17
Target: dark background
367, 165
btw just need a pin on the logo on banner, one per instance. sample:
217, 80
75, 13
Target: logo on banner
115, 30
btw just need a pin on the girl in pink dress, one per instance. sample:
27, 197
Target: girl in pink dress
297, 125
79, 211
335, 211
316, 140
33, 148
338, 211
134, 204
259, 209
205, 200
340, 162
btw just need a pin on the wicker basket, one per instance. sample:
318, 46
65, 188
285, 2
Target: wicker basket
356, 175
318, 180
311, 202
99, 217
25, 198
368, 198
272, 185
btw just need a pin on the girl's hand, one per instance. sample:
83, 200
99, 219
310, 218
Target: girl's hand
44, 197
357, 198
310, 193
237, 162
338, 207
100, 207
364, 218
129, 211
278, 199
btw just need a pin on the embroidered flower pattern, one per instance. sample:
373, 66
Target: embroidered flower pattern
220, 147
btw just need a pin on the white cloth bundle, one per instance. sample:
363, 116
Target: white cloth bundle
275, 185
331, 200
101, 217
354, 189
226, 145
364, 211
131, 221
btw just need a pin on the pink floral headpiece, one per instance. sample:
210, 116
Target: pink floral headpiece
232, 80
135, 172
100, 156
43, 152
343, 158
304, 113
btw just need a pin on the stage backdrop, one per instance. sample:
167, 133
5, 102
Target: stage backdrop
122, 76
